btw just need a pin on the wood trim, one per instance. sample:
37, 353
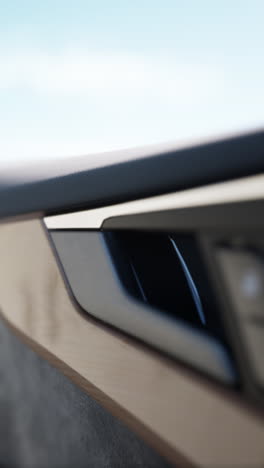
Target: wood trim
183, 416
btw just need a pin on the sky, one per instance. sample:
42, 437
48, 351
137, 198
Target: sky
81, 77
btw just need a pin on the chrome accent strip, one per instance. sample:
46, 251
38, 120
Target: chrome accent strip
191, 283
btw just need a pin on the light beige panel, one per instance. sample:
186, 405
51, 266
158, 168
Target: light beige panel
179, 413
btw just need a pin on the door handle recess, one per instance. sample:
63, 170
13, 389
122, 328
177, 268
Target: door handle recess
96, 286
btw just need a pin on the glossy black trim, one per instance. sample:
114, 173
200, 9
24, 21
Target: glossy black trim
246, 215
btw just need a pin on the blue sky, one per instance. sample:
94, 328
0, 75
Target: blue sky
77, 77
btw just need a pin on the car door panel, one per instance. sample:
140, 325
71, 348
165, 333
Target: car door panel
117, 351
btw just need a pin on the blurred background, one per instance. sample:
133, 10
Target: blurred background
80, 77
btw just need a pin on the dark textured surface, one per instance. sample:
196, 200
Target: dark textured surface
69, 189
46, 421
